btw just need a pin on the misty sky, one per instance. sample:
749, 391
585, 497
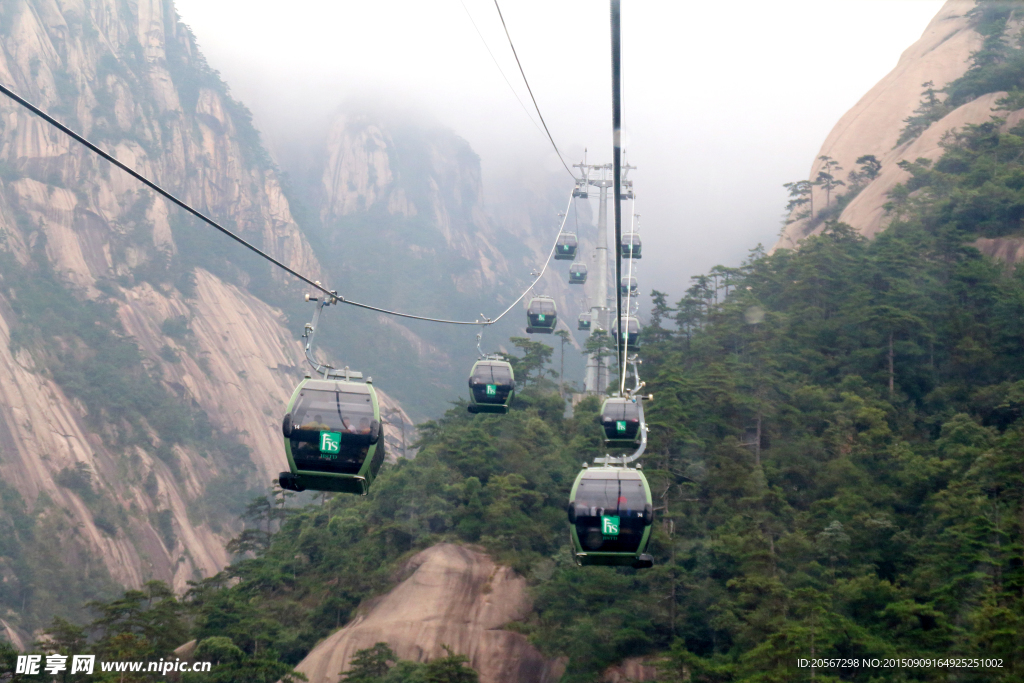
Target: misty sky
723, 102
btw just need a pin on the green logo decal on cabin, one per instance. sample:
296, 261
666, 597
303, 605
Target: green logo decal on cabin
492, 389
330, 442
620, 426
609, 525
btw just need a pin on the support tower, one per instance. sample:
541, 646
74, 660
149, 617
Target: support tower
601, 263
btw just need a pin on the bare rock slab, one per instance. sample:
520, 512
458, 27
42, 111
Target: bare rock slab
456, 597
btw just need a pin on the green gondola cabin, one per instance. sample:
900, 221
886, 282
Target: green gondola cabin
541, 315
565, 247
578, 274
610, 515
631, 245
333, 437
492, 386
620, 419
631, 336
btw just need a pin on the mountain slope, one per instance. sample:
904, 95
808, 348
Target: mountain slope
142, 369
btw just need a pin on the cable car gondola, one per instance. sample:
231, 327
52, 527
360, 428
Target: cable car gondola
580, 190
565, 247
621, 421
333, 435
578, 274
541, 315
610, 513
584, 322
632, 332
631, 245
628, 286
492, 386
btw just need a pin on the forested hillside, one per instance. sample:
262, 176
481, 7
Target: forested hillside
835, 455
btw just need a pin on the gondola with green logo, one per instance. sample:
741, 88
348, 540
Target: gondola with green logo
622, 422
631, 245
492, 386
631, 331
610, 516
541, 315
333, 434
565, 246
578, 274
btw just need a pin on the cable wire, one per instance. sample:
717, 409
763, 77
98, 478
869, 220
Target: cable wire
206, 219
530, 90
500, 70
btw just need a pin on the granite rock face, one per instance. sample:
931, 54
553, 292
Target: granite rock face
127, 74
420, 187
874, 124
453, 596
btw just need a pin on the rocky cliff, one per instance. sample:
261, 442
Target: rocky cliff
404, 172
874, 126
142, 369
456, 597
400, 206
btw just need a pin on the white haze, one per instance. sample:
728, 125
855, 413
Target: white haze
724, 101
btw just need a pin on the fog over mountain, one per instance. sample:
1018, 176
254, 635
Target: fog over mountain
723, 103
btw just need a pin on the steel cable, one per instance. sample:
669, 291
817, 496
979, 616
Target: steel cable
530, 90
500, 70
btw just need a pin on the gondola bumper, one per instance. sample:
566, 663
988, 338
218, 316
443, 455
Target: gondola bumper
639, 561
630, 444
341, 483
499, 408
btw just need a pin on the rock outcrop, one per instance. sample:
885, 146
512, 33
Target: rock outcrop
874, 124
430, 174
631, 670
456, 597
1006, 249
